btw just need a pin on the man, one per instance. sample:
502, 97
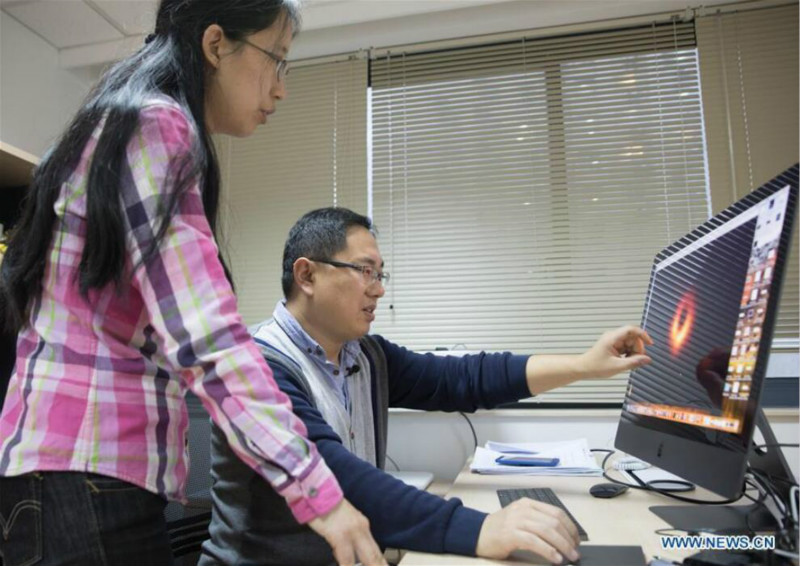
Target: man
341, 382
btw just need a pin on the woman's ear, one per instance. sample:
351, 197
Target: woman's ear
213, 42
303, 270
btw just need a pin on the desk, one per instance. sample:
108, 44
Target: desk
623, 520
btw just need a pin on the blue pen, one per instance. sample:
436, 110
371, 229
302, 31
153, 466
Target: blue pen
527, 461
517, 452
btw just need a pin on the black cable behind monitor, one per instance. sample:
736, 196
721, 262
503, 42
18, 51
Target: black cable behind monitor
472, 428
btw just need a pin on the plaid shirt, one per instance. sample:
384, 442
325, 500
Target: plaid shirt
99, 384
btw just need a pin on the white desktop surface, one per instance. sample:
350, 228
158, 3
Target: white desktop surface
420, 480
623, 520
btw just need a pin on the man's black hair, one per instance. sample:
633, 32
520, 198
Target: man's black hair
319, 234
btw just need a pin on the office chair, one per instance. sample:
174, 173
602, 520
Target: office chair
187, 525
8, 354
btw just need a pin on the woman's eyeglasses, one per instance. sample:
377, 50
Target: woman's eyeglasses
281, 64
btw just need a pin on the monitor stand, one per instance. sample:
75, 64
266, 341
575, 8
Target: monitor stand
736, 519
717, 519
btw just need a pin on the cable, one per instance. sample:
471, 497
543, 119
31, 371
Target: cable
469, 422
757, 503
786, 524
783, 511
768, 479
680, 485
753, 486
786, 554
774, 478
649, 487
396, 467
766, 483
472, 428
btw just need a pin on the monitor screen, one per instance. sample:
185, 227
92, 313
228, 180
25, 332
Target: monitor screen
710, 310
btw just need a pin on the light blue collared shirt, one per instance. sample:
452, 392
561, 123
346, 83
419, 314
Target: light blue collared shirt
302, 340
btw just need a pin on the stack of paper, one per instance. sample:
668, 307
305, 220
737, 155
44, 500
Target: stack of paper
574, 458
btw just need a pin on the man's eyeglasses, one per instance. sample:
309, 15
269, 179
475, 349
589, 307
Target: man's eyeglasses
371, 274
281, 64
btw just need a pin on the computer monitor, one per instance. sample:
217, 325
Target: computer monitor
711, 309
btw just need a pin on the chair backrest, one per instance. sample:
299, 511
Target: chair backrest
188, 524
187, 534
8, 354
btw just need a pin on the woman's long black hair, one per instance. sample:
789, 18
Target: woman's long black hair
171, 62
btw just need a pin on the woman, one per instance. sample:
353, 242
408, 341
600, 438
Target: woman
114, 283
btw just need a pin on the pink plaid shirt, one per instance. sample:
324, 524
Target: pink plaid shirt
99, 384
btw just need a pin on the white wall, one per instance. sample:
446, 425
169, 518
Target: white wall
441, 442
345, 26
494, 18
37, 97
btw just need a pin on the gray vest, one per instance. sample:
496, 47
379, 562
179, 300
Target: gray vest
356, 426
251, 523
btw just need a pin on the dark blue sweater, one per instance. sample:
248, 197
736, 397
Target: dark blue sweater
402, 516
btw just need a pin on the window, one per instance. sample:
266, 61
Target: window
749, 63
522, 189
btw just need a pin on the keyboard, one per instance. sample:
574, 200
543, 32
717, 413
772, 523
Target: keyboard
543, 494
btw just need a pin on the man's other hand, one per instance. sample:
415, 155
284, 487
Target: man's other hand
529, 525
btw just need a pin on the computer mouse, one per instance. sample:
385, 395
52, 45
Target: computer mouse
607, 490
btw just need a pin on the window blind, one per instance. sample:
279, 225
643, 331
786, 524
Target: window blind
522, 189
311, 154
748, 66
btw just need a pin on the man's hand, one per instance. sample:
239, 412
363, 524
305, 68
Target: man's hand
529, 525
347, 531
616, 351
